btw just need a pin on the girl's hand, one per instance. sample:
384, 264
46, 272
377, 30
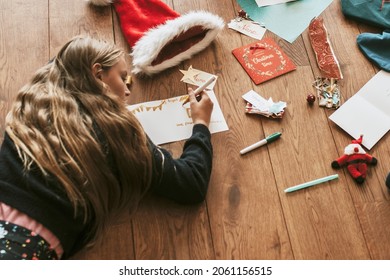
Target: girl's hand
200, 110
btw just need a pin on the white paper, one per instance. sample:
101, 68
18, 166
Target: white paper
262, 3
256, 100
368, 111
247, 27
262, 104
168, 120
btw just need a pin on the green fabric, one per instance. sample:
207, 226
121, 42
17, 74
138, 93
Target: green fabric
367, 11
376, 47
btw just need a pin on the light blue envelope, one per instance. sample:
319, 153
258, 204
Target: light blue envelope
287, 20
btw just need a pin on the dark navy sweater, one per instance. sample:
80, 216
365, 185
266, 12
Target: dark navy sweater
184, 180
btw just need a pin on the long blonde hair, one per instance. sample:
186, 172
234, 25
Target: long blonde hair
64, 120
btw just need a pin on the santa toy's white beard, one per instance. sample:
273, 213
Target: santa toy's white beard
350, 149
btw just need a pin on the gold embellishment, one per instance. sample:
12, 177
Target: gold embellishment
249, 64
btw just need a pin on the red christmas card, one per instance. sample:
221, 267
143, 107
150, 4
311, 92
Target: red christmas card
263, 60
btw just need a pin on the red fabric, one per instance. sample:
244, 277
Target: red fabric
358, 141
357, 164
181, 43
358, 170
327, 61
137, 16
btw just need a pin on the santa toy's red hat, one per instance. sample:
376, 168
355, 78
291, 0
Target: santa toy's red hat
358, 141
160, 37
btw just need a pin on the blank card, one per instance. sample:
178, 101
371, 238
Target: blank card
368, 111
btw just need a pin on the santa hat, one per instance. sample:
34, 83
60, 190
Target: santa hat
355, 147
160, 37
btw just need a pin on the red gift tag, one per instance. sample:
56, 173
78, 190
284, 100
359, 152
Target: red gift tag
326, 59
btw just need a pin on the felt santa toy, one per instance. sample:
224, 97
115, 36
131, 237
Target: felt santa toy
160, 37
356, 160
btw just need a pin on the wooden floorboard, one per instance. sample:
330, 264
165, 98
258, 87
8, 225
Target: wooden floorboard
376, 227
21, 52
246, 214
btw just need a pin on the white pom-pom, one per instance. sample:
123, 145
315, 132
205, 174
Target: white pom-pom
100, 2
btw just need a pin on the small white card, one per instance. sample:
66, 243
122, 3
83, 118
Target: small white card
368, 111
247, 27
262, 106
256, 100
262, 3
197, 77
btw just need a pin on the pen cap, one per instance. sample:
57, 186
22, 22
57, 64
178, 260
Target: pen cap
273, 137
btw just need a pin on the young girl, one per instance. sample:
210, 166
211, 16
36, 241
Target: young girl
73, 156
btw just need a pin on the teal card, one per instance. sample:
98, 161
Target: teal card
287, 20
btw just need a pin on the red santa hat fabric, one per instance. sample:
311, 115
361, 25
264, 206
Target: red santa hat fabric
159, 36
358, 141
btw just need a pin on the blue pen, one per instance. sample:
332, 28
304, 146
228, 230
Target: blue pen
267, 140
311, 183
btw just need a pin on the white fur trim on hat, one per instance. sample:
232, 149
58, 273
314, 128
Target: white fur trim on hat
100, 2
153, 41
350, 149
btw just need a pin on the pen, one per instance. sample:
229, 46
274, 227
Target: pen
267, 140
311, 183
200, 89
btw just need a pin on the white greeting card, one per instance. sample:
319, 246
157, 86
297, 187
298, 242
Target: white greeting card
368, 111
247, 27
168, 120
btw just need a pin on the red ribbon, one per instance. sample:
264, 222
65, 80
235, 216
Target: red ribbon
256, 47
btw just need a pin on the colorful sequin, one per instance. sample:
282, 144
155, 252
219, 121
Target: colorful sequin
19, 243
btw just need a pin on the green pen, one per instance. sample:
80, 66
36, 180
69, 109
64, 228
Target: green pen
267, 140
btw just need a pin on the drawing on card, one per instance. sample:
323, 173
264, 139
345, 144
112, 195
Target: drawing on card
168, 120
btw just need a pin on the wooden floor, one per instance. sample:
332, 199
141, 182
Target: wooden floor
247, 215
